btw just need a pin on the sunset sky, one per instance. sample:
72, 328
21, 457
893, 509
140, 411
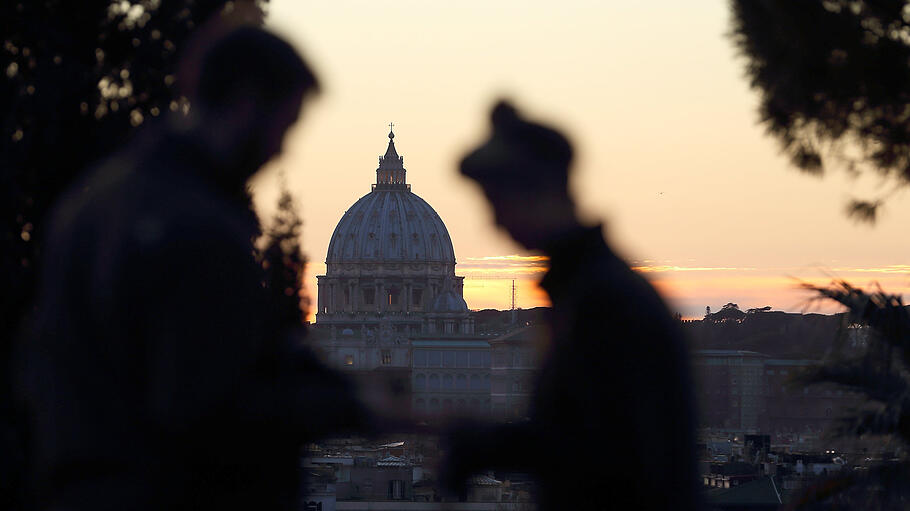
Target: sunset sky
669, 156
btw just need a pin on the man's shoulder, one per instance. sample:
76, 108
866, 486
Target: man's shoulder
149, 201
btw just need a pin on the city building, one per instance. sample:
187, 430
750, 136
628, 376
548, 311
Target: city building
746, 391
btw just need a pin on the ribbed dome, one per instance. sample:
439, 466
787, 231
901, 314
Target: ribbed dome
390, 223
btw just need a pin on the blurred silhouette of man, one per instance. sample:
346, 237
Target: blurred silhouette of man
611, 422
160, 377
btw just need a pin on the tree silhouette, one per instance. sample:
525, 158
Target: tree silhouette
834, 82
283, 259
728, 313
881, 374
79, 79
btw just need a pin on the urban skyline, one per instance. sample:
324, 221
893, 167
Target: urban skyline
669, 154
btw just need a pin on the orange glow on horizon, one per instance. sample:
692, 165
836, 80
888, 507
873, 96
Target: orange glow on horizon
687, 290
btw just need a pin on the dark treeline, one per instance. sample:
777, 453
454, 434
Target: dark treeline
775, 333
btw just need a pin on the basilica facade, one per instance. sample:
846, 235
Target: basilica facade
391, 309
390, 277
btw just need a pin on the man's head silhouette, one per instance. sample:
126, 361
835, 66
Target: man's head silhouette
245, 91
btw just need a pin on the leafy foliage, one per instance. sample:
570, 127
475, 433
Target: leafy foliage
78, 80
881, 373
834, 80
283, 260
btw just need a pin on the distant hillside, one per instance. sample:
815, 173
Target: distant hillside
775, 333
492, 321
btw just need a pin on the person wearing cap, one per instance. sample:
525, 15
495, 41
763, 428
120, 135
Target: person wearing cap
611, 421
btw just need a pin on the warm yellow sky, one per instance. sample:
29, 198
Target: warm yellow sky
670, 156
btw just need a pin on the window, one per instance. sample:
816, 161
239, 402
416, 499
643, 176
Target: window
349, 360
476, 359
347, 296
461, 359
420, 382
434, 382
386, 357
417, 296
434, 358
486, 358
434, 405
476, 383
421, 405
448, 359
447, 382
420, 358
369, 294
461, 382
393, 295
396, 489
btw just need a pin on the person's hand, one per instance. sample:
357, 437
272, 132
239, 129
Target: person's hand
460, 440
523, 169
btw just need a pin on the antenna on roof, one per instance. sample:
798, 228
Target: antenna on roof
514, 312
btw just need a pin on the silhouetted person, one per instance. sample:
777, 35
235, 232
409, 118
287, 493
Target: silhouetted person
160, 376
611, 420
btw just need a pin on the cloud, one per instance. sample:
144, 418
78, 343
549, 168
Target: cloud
513, 258
892, 268
503, 266
669, 268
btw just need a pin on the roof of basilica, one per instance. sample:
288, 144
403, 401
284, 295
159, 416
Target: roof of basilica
391, 223
447, 301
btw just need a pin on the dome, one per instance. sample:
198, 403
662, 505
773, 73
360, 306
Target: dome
391, 223
448, 301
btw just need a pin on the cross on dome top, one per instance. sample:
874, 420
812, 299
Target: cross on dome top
391, 172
